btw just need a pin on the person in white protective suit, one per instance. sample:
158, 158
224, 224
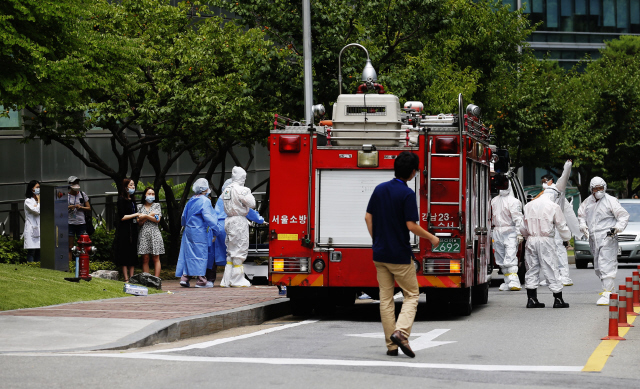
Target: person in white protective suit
601, 217
571, 219
542, 217
507, 219
238, 200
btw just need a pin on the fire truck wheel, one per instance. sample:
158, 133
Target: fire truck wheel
464, 306
325, 307
481, 294
300, 307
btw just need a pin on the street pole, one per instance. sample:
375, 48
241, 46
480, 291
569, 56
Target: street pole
308, 77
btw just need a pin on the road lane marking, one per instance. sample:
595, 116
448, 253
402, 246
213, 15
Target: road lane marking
423, 341
601, 354
231, 339
329, 362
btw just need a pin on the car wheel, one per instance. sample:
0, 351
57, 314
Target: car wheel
582, 263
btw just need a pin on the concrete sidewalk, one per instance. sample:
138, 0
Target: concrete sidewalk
138, 320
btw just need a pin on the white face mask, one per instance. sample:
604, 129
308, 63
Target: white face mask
36, 191
131, 191
150, 199
599, 194
75, 187
544, 185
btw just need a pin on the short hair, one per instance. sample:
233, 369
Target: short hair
547, 177
405, 164
29, 193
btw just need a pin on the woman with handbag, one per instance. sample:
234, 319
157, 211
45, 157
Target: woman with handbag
32, 221
126, 248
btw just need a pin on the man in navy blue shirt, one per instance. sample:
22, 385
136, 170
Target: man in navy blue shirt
392, 212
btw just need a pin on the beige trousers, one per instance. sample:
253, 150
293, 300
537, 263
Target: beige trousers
405, 276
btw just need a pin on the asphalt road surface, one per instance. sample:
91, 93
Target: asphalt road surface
502, 344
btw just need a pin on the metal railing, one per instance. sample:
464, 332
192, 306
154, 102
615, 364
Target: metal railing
103, 210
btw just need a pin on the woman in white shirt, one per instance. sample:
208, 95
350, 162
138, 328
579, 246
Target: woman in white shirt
32, 221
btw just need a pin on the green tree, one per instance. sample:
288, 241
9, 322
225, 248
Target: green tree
166, 83
602, 114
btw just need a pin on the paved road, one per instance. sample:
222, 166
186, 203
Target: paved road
500, 344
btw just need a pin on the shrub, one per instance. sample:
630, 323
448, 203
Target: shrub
12, 251
102, 240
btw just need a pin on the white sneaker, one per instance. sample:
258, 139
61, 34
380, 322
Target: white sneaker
567, 281
398, 295
209, 284
504, 287
364, 296
543, 283
604, 299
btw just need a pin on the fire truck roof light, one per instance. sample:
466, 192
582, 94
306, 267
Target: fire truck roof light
446, 145
289, 144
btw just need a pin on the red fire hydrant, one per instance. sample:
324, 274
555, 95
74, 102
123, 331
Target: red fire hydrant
82, 252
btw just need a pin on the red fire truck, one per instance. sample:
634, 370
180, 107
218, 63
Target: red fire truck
323, 175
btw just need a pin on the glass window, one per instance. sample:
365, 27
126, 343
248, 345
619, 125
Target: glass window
12, 122
511, 3
581, 7
552, 13
527, 7
538, 6
623, 16
594, 7
608, 13
566, 7
634, 11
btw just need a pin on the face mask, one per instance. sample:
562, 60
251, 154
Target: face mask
131, 191
75, 187
599, 194
150, 199
36, 191
544, 185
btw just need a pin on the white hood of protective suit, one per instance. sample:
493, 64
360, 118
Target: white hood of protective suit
597, 181
238, 175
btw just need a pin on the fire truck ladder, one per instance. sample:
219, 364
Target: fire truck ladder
430, 157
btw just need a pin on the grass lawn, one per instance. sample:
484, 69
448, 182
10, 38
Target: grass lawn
22, 286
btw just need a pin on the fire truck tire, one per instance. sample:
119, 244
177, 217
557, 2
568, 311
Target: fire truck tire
325, 307
481, 294
300, 307
464, 305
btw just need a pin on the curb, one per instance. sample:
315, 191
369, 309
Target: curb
171, 330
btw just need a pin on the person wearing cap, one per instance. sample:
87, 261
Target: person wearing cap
77, 204
198, 218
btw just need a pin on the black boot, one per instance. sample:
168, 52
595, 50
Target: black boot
558, 302
532, 302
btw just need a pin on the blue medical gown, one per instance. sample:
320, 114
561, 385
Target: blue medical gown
218, 249
197, 216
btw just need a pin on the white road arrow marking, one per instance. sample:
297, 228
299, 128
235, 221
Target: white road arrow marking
423, 341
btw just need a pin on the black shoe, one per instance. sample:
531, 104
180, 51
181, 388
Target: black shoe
392, 353
558, 302
532, 301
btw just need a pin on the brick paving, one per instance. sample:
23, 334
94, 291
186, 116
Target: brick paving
183, 302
